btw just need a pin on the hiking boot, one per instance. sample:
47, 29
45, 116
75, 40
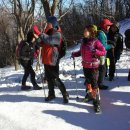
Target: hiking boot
66, 98
49, 98
97, 108
87, 98
36, 87
111, 78
103, 87
23, 87
96, 104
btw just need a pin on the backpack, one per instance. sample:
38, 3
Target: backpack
63, 47
19, 48
127, 38
103, 34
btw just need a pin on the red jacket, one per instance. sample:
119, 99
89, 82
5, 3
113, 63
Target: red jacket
50, 52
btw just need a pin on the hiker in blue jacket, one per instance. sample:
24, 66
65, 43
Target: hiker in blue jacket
102, 36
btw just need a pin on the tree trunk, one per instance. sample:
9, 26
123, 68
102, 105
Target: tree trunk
46, 7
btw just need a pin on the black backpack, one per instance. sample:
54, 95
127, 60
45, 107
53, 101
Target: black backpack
63, 47
127, 38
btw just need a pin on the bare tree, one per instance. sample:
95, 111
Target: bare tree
23, 12
6, 38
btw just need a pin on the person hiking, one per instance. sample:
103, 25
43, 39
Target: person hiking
127, 44
102, 36
26, 60
50, 58
115, 38
90, 51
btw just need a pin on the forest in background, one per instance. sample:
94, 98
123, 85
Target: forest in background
17, 17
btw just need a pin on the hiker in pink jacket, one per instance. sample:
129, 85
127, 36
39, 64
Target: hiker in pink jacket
90, 51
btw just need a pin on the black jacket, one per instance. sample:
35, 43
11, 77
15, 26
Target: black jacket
116, 39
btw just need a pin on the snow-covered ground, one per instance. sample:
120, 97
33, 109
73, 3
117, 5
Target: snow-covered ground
27, 110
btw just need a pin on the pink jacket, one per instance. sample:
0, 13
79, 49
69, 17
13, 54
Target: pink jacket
90, 53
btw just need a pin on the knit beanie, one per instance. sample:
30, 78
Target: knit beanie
53, 21
94, 27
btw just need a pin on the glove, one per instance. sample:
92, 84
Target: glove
72, 55
36, 30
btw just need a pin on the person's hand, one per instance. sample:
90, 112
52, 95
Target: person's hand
93, 50
36, 36
36, 30
72, 55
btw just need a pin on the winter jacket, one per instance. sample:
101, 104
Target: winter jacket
103, 39
117, 40
50, 44
90, 51
127, 38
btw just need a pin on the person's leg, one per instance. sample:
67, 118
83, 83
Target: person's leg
51, 92
33, 80
95, 90
111, 69
87, 74
60, 84
25, 76
29, 71
102, 70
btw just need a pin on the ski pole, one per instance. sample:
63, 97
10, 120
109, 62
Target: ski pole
42, 81
116, 75
75, 79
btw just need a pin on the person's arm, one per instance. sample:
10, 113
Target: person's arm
54, 39
100, 50
76, 54
120, 41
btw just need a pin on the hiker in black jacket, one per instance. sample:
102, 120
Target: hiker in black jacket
115, 38
26, 60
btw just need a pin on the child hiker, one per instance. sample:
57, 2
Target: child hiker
26, 56
91, 48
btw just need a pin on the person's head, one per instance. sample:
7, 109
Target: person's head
30, 36
52, 22
90, 31
114, 28
105, 24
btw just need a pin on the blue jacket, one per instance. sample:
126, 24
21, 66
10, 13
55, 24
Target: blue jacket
103, 38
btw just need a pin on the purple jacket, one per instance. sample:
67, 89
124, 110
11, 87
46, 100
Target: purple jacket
90, 52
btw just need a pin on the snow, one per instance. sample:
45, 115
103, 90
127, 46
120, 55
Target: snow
27, 110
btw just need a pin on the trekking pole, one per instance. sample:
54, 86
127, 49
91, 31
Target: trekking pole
116, 76
75, 79
42, 80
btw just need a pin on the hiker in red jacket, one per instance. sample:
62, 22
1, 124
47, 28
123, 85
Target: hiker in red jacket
50, 58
